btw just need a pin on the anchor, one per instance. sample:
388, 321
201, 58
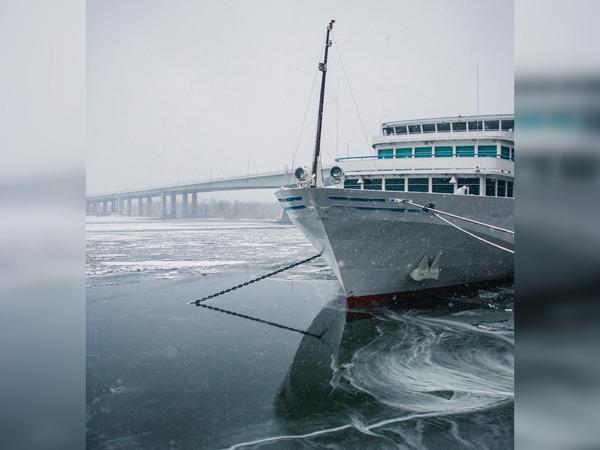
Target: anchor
427, 269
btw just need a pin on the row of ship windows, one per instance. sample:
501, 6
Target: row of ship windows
493, 187
445, 127
483, 151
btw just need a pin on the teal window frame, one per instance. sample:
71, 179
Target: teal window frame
465, 151
395, 184
504, 152
442, 185
423, 152
443, 151
385, 153
512, 154
404, 152
487, 151
418, 185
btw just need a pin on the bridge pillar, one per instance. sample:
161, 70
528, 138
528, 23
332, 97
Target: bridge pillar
184, 205
105, 207
194, 204
149, 204
128, 206
173, 205
163, 205
140, 203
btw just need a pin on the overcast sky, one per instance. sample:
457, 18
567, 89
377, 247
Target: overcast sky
175, 87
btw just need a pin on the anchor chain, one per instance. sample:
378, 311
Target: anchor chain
256, 319
247, 283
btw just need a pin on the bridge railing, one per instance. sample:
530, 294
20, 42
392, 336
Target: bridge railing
167, 187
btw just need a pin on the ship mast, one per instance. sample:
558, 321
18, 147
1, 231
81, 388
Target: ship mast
315, 176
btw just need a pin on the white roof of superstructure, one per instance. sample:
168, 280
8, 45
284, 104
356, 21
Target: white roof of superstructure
450, 119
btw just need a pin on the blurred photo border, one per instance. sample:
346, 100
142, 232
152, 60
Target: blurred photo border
42, 246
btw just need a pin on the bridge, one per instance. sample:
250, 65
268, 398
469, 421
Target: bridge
142, 201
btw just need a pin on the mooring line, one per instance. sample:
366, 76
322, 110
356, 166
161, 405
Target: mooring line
474, 235
262, 277
256, 319
428, 208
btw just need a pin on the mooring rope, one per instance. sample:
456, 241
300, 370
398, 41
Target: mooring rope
256, 319
473, 235
247, 283
427, 208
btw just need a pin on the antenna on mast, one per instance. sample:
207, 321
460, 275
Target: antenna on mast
316, 176
477, 91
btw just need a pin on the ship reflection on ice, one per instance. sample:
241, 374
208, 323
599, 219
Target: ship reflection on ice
440, 378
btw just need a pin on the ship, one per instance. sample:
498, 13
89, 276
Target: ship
431, 208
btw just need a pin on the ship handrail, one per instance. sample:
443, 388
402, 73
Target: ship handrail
359, 158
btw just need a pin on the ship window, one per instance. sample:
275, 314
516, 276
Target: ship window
487, 151
394, 184
401, 129
472, 183
459, 126
418, 184
443, 152
429, 128
501, 188
443, 127
372, 184
509, 189
442, 185
422, 152
351, 183
387, 131
475, 125
404, 152
508, 125
414, 129
465, 150
490, 187
512, 154
385, 153
492, 124
504, 152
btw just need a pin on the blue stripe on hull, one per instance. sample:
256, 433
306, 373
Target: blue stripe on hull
369, 208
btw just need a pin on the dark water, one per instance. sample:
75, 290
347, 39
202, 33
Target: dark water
164, 374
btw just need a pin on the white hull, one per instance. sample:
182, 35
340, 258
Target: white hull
374, 244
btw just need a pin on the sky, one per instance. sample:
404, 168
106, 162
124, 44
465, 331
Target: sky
187, 90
